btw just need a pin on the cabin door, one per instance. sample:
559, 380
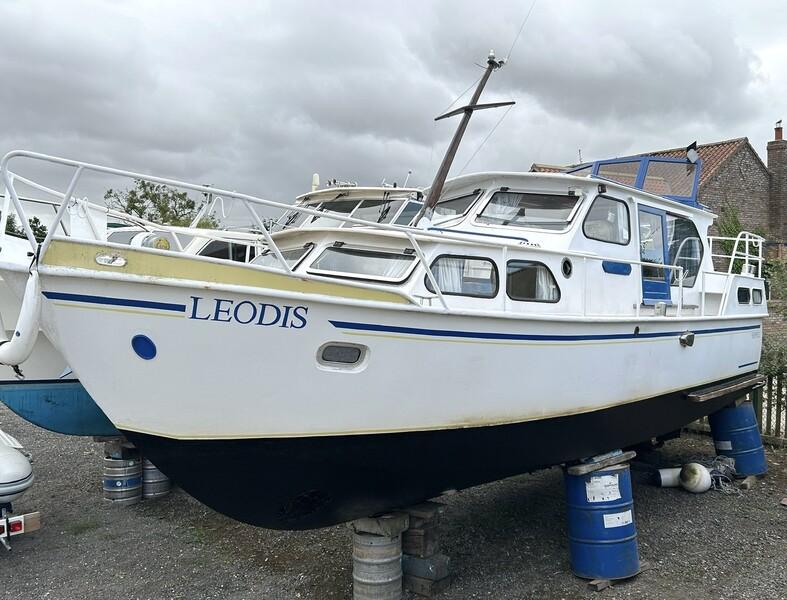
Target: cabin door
653, 248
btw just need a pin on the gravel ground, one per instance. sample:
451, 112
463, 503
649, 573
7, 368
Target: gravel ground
505, 540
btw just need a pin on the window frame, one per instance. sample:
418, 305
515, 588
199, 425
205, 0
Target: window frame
667, 215
309, 245
534, 262
477, 193
761, 294
359, 276
743, 288
569, 223
628, 220
428, 284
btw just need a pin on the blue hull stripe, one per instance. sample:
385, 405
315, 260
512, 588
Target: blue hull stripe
751, 364
115, 301
485, 335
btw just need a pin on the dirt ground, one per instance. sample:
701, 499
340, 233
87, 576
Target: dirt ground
505, 540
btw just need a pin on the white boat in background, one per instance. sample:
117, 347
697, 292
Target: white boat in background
16, 474
368, 359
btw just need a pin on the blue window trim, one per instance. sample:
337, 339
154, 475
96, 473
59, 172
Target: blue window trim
644, 162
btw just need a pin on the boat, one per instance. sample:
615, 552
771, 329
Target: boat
44, 390
391, 346
16, 474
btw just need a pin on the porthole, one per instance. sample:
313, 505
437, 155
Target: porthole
341, 355
566, 267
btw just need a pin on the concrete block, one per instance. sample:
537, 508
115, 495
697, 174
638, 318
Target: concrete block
421, 541
425, 587
434, 567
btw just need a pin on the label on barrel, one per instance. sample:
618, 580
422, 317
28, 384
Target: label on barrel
723, 445
602, 488
617, 519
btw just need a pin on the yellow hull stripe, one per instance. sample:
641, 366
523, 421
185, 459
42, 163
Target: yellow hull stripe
76, 255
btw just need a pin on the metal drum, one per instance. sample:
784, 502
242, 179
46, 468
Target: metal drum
154, 483
735, 434
601, 528
122, 481
377, 567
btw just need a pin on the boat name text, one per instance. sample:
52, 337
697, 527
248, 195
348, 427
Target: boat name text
247, 312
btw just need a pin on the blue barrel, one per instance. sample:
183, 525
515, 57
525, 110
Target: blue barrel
601, 529
735, 434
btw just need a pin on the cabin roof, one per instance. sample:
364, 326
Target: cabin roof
355, 192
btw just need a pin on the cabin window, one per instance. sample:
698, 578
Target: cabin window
343, 207
622, 172
122, 237
670, 178
408, 213
225, 250
455, 206
377, 211
464, 276
292, 219
608, 221
342, 261
744, 295
685, 249
531, 281
292, 257
542, 211
756, 296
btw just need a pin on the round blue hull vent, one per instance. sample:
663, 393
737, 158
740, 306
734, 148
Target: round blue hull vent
144, 347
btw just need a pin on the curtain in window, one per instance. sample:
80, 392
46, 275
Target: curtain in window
448, 274
546, 288
503, 206
622, 220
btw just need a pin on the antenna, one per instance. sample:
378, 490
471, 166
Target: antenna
315, 181
406, 179
579, 151
436, 188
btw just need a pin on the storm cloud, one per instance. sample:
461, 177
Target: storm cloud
257, 96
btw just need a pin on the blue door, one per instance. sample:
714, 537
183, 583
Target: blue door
653, 248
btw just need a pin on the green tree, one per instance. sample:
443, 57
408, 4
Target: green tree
158, 203
38, 228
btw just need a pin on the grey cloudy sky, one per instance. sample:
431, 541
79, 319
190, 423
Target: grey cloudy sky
256, 96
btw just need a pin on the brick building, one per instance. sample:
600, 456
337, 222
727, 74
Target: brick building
734, 176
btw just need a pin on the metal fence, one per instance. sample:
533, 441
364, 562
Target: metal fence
770, 407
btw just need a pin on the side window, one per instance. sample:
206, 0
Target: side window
238, 252
685, 249
608, 221
464, 276
216, 249
531, 282
455, 206
744, 295
756, 296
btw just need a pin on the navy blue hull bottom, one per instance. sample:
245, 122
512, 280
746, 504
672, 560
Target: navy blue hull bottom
305, 483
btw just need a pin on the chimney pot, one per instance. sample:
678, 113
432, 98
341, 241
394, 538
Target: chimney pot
777, 132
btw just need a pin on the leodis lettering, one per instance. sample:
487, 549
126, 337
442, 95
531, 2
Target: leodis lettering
247, 312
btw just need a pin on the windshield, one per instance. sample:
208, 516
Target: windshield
544, 211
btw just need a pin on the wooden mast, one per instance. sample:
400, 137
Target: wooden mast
466, 111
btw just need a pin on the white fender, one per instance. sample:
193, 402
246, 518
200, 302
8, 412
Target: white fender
18, 349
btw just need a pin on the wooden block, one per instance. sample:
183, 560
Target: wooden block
425, 587
421, 542
391, 524
599, 584
32, 521
748, 482
434, 567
